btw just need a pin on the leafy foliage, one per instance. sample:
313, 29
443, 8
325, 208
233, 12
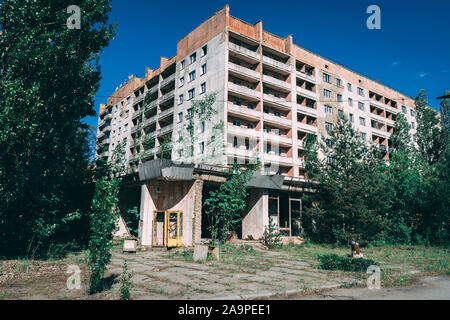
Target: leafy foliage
224, 206
49, 77
272, 236
350, 187
125, 283
337, 262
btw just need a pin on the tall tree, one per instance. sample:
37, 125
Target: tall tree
351, 195
49, 77
428, 138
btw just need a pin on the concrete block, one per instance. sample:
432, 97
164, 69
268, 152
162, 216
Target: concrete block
200, 253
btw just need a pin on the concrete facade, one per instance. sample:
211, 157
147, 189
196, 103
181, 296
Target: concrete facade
271, 93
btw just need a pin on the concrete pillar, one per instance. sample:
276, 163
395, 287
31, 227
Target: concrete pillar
257, 214
197, 219
146, 216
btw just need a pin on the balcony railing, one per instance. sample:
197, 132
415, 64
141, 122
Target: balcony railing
244, 111
277, 120
277, 158
277, 64
240, 131
244, 153
244, 51
165, 129
277, 82
307, 93
149, 121
306, 127
305, 76
243, 70
168, 80
166, 113
276, 100
277, 138
244, 90
167, 96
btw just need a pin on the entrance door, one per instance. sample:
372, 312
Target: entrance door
273, 211
159, 222
295, 208
174, 228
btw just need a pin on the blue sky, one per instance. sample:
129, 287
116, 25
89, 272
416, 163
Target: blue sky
409, 53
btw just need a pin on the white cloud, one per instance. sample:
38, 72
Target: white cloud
423, 74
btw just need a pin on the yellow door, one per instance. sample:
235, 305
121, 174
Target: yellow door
174, 221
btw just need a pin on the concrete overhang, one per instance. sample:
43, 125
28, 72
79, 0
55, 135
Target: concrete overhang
266, 181
166, 169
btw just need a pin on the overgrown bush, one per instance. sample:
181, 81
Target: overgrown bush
272, 236
337, 262
125, 283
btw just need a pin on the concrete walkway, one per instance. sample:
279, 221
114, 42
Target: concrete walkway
428, 288
158, 275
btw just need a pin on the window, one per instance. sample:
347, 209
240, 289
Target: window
339, 97
413, 114
351, 117
192, 76
204, 51
193, 58
413, 126
277, 114
266, 110
326, 77
404, 109
341, 113
349, 87
251, 126
361, 91
327, 93
180, 153
203, 88
189, 112
182, 64
203, 69
180, 99
191, 94
180, 117
202, 127
361, 106
338, 82
125, 128
328, 127
235, 142
362, 121
251, 106
236, 123
181, 82
328, 109
350, 102
237, 102
363, 136
202, 147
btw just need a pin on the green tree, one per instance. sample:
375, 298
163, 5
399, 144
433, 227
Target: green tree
224, 207
351, 193
49, 77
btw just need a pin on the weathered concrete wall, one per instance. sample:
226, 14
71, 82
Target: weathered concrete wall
171, 196
257, 214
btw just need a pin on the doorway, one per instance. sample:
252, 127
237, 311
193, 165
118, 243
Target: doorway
167, 229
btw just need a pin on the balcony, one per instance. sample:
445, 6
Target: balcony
165, 130
276, 138
108, 117
306, 127
305, 76
244, 112
242, 90
276, 64
244, 51
278, 101
242, 153
277, 120
277, 82
167, 81
277, 158
169, 95
243, 70
306, 93
149, 121
139, 99
166, 113
241, 131
380, 132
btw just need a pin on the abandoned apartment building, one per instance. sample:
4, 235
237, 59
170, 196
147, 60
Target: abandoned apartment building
270, 94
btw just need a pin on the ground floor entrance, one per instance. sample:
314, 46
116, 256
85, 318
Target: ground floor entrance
167, 229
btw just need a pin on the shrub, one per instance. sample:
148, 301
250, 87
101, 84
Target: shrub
272, 236
125, 283
337, 262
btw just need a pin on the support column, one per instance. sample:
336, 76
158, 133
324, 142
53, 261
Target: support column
146, 216
198, 201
